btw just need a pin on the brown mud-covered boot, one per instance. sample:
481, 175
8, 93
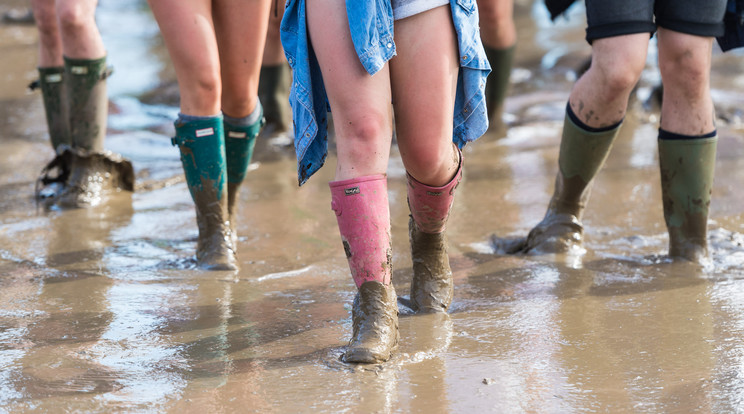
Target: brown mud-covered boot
86, 177
432, 286
375, 319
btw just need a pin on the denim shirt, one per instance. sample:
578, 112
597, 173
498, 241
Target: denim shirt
372, 35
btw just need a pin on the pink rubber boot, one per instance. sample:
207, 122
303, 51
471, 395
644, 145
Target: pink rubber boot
431, 286
363, 215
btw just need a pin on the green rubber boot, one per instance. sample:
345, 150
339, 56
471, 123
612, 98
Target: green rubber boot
273, 91
54, 96
686, 167
88, 100
202, 147
582, 155
239, 143
497, 84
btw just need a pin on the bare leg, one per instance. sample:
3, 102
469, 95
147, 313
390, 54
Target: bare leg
424, 79
80, 36
50, 42
240, 26
188, 32
360, 103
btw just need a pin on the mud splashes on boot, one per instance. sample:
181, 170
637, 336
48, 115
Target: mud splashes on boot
375, 320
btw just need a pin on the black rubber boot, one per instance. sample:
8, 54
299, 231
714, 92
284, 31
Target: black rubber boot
686, 166
497, 84
273, 91
375, 319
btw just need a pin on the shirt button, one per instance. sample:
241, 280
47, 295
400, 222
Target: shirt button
389, 45
465, 57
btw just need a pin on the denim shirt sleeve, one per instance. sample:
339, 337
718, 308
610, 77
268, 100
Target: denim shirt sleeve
371, 26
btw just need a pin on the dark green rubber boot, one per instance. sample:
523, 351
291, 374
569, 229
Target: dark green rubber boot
497, 84
202, 147
582, 155
54, 96
88, 101
686, 167
273, 91
83, 173
239, 143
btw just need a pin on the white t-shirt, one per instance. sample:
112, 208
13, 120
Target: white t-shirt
407, 8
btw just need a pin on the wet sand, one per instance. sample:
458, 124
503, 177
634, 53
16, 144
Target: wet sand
102, 310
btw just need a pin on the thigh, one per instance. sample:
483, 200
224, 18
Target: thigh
240, 28
353, 94
424, 80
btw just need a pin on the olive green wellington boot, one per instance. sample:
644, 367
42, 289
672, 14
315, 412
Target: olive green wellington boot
497, 85
273, 91
202, 147
87, 171
582, 155
239, 143
54, 97
686, 167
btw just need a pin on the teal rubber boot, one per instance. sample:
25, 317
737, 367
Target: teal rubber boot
202, 147
582, 155
686, 167
239, 144
56, 108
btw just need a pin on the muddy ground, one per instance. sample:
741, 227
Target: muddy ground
102, 310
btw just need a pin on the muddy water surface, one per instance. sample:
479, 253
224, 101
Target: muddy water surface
102, 309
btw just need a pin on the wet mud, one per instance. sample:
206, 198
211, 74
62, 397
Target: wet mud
103, 309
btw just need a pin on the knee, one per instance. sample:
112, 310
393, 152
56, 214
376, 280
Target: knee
46, 19
684, 72
74, 17
616, 79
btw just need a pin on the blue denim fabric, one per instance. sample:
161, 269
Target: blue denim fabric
372, 35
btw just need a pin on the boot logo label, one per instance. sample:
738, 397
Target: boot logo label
79, 70
204, 132
434, 193
351, 191
236, 134
53, 78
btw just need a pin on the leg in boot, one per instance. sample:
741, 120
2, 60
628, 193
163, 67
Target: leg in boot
432, 285
362, 212
54, 96
583, 152
93, 172
273, 91
497, 84
686, 164
240, 138
88, 101
201, 142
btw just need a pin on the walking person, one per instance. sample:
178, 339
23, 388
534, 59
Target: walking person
426, 58
72, 79
216, 48
619, 33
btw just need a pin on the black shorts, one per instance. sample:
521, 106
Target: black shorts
609, 18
